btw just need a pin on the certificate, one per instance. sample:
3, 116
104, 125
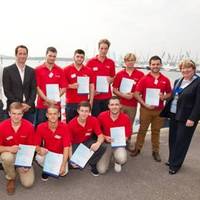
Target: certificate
52, 164
24, 156
102, 85
83, 84
118, 136
53, 92
81, 156
126, 85
152, 96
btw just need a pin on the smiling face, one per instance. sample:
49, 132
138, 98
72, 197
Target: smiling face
187, 72
53, 115
79, 59
21, 55
16, 115
155, 66
51, 57
114, 106
83, 112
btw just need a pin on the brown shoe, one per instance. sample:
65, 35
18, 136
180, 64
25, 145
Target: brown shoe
10, 187
135, 152
156, 156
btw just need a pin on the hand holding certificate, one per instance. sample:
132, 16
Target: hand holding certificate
118, 136
83, 84
53, 92
81, 156
24, 156
152, 96
52, 163
126, 85
102, 84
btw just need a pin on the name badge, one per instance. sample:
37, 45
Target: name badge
23, 136
50, 74
73, 76
87, 134
156, 81
95, 68
57, 137
9, 138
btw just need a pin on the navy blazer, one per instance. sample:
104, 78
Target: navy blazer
188, 104
14, 89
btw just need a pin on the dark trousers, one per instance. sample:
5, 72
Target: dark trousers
2, 112
99, 106
30, 116
40, 116
180, 138
71, 111
97, 154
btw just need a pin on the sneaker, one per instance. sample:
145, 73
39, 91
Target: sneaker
10, 187
156, 156
117, 167
94, 171
45, 177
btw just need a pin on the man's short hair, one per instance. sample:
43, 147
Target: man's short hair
53, 107
104, 41
155, 58
21, 46
15, 105
79, 51
84, 104
51, 49
114, 98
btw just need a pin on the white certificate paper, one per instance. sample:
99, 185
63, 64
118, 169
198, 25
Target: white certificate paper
52, 163
53, 92
102, 85
118, 136
126, 85
83, 84
152, 96
81, 156
24, 156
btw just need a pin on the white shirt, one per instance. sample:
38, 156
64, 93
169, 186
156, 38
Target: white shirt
21, 73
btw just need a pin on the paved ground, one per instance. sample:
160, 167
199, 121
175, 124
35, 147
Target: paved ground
141, 179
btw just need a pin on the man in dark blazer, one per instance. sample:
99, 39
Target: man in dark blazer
19, 83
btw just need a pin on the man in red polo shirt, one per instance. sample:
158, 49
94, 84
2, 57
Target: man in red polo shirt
82, 129
48, 74
102, 66
55, 137
113, 118
72, 73
15, 131
150, 114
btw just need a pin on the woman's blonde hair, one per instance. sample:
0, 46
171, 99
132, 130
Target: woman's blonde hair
187, 63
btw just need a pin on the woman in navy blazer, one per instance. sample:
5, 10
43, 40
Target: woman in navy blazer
183, 109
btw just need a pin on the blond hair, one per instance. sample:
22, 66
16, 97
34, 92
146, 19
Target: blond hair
187, 63
130, 56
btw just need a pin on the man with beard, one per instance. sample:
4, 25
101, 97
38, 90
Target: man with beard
150, 115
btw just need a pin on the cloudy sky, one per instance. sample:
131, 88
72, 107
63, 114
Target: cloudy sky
143, 26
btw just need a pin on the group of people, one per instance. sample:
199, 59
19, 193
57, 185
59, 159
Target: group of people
91, 116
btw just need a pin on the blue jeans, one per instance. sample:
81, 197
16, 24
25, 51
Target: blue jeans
99, 106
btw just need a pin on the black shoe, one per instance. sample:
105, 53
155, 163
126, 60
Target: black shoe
94, 171
135, 152
156, 156
1, 167
45, 177
167, 163
172, 172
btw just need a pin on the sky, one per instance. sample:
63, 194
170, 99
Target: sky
144, 27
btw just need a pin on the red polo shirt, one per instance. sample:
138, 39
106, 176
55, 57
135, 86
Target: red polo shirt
45, 76
136, 75
105, 68
24, 135
106, 123
53, 141
71, 74
79, 133
148, 81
